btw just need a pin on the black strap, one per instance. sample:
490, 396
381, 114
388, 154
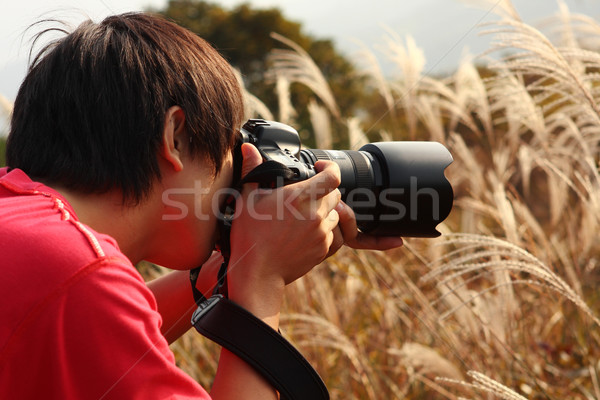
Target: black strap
255, 342
239, 331
269, 174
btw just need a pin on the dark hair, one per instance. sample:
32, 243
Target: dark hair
90, 113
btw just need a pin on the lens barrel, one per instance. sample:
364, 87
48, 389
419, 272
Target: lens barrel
394, 188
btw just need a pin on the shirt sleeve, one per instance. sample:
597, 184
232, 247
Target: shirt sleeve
107, 343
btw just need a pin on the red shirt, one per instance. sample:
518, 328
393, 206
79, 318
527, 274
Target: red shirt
76, 318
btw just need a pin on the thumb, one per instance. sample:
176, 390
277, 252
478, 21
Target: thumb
251, 158
326, 181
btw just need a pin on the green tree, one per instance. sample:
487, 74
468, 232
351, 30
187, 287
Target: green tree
242, 35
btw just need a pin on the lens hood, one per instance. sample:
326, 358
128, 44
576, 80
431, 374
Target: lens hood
415, 195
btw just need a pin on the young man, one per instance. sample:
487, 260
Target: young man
120, 142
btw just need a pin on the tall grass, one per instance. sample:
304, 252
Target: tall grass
505, 304
5, 111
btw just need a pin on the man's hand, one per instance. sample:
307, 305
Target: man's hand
279, 235
289, 230
358, 240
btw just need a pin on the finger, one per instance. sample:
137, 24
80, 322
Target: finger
328, 222
323, 164
327, 203
332, 220
337, 242
359, 240
326, 180
364, 241
332, 224
251, 158
347, 222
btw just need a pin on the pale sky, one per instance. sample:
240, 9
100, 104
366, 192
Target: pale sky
443, 28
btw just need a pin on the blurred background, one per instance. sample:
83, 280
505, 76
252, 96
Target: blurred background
442, 28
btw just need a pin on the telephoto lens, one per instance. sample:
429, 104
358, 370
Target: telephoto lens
394, 188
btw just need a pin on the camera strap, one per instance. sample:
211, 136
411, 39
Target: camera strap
239, 331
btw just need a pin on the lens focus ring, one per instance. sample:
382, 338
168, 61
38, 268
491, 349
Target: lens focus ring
364, 176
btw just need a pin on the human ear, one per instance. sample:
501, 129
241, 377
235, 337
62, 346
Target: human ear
174, 137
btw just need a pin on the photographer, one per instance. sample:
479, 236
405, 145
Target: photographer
121, 140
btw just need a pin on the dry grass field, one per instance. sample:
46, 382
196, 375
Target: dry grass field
505, 304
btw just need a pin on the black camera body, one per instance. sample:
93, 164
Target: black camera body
394, 188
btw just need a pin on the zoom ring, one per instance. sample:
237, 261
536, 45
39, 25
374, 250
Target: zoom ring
320, 154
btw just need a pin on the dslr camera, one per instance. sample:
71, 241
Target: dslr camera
394, 188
